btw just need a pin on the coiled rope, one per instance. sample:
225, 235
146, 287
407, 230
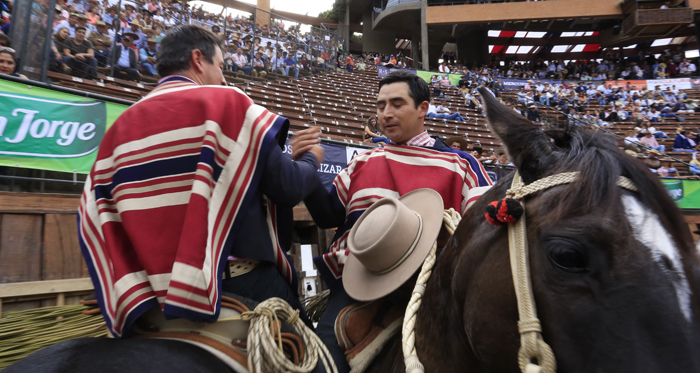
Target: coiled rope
451, 220
264, 355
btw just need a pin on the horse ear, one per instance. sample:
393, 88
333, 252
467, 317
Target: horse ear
528, 146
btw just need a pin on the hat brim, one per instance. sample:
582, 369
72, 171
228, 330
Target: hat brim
363, 285
461, 140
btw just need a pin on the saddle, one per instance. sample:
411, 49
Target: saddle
362, 330
225, 340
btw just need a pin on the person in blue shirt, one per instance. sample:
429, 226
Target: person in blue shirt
147, 56
290, 65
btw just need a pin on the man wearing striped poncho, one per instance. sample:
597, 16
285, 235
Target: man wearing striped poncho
187, 181
414, 160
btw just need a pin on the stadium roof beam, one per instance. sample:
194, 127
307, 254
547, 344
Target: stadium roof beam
522, 11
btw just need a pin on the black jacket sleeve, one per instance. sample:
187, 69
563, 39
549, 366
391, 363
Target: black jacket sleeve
326, 210
285, 181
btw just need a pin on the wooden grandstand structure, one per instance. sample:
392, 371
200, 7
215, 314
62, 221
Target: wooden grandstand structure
40, 261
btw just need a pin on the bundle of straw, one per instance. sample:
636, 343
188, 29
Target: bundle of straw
316, 305
24, 332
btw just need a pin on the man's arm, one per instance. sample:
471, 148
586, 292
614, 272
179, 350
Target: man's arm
285, 181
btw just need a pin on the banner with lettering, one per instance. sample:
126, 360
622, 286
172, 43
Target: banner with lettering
686, 193
335, 158
50, 130
383, 71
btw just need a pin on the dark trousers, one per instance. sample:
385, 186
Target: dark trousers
101, 57
133, 73
262, 283
87, 67
325, 329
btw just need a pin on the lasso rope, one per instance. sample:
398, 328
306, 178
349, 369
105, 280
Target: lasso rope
532, 346
264, 355
451, 220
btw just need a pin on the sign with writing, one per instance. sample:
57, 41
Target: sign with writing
383, 71
686, 193
49, 130
336, 158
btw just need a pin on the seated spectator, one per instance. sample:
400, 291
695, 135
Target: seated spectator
305, 65
79, 54
694, 165
290, 65
102, 42
147, 56
361, 66
631, 137
240, 62
277, 64
682, 143
651, 142
478, 153
228, 56
446, 113
83, 22
372, 129
681, 107
434, 80
123, 57
259, 70
533, 114
8, 64
653, 115
56, 54
458, 142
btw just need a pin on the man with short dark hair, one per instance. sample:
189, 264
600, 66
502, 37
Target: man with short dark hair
79, 54
190, 186
290, 65
413, 159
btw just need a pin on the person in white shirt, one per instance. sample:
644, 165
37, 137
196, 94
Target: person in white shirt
443, 68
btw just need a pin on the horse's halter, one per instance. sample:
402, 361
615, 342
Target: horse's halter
532, 346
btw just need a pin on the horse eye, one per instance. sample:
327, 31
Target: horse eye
568, 259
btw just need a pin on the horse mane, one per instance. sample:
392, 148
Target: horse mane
600, 162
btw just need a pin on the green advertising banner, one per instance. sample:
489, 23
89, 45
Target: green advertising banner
686, 193
50, 130
427, 75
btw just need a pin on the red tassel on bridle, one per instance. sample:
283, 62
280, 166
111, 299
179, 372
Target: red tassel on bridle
507, 210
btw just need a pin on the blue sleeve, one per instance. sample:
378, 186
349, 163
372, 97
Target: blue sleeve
142, 55
287, 182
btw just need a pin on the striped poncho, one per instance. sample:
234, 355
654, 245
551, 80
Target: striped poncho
393, 171
162, 205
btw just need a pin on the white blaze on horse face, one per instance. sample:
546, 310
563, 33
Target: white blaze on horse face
649, 231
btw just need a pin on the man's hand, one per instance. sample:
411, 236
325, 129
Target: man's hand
307, 141
80, 56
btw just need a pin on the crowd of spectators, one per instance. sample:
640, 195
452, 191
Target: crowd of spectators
95, 35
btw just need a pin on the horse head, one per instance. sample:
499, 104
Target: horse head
614, 273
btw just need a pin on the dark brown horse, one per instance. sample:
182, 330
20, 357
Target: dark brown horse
615, 273
615, 276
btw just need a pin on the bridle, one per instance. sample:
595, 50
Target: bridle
532, 345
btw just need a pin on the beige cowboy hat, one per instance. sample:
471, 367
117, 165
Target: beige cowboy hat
461, 140
390, 241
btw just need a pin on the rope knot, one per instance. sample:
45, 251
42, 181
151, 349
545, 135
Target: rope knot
293, 318
529, 326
